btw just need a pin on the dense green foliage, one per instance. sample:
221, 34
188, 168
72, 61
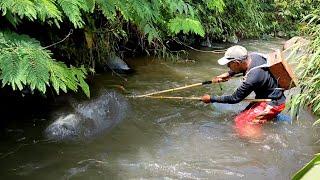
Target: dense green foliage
309, 71
229, 18
23, 62
152, 20
309, 68
106, 27
291, 13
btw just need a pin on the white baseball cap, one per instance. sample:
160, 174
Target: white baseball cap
233, 53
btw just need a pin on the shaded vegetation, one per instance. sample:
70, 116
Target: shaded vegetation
111, 27
23, 62
309, 68
102, 24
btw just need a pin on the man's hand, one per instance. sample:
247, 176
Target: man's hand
206, 98
221, 78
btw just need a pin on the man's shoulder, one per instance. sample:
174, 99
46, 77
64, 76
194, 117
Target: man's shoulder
258, 56
255, 74
258, 67
256, 71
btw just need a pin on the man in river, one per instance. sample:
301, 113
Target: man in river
257, 78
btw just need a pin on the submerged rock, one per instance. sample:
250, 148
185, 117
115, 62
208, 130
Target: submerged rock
206, 43
281, 34
233, 39
118, 65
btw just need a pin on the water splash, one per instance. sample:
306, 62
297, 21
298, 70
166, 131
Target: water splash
89, 118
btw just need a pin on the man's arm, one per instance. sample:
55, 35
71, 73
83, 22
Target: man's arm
241, 92
223, 77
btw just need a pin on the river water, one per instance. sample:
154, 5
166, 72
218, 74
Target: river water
115, 137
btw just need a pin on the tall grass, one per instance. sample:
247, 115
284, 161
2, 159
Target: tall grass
309, 69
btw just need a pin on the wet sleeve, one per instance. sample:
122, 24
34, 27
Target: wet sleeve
249, 85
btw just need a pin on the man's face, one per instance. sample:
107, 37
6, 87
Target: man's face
235, 66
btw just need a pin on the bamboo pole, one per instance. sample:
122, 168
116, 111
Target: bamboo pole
183, 87
194, 98
175, 89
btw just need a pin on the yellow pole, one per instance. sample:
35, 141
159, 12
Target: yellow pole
175, 89
180, 88
194, 98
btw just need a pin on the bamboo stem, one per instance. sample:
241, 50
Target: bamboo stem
174, 97
195, 98
183, 87
170, 90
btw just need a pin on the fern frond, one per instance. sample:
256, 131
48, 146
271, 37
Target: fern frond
23, 62
80, 74
90, 5
61, 77
150, 32
141, 9
217, 5
13, 20
108, 8
175, 6
185, 25
72, 9
10, 70
124, 7
35, 62
23, 8
47, 9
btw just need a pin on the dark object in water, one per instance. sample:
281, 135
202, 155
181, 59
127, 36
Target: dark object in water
116, 64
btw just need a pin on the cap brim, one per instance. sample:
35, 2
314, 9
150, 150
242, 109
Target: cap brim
223, 61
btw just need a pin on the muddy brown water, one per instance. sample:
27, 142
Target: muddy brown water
159, 139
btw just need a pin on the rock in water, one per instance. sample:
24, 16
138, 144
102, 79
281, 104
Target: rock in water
233, 39
117, 64
206, 43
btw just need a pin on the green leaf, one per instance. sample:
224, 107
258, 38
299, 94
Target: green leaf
23, 62
108, 8
185, 25
316, 122
47, 9
217, 5
309, 171
72, 9
23, 8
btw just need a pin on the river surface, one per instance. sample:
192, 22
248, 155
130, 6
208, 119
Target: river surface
154, 138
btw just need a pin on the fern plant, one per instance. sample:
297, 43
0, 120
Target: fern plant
23, 62
185, 25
